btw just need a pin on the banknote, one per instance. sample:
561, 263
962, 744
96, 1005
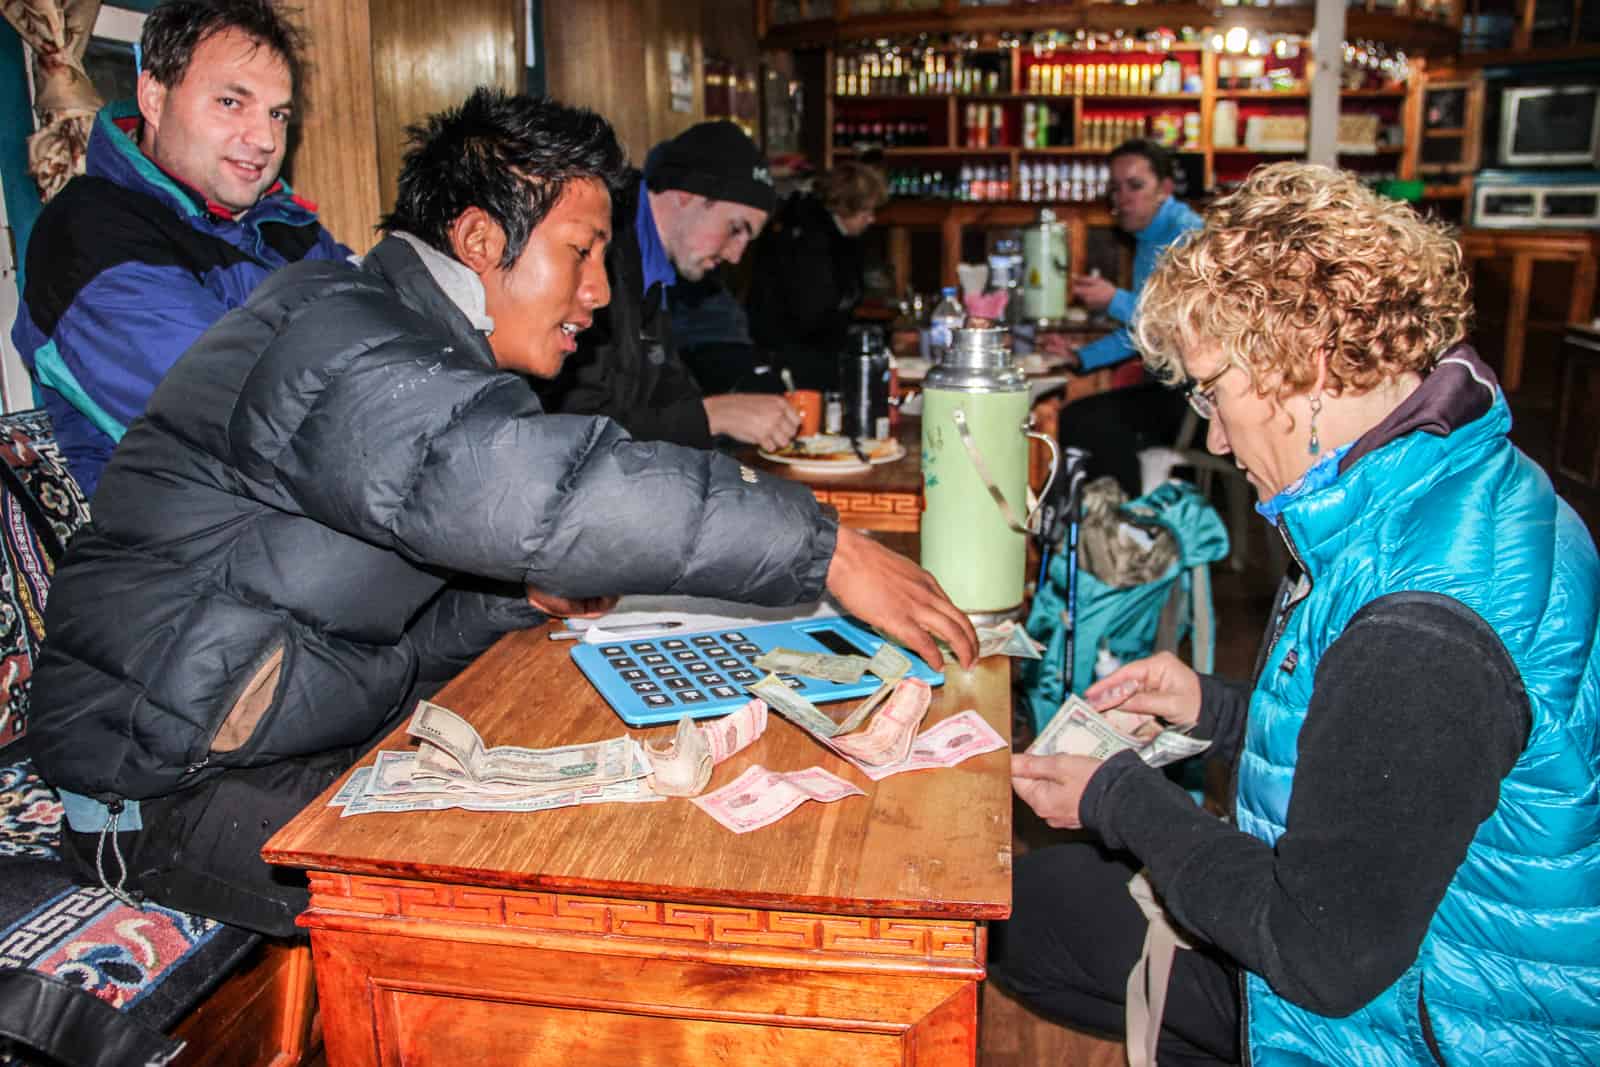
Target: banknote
736, 732
760, 797
353, 785
1078, 730
1007, 639
454, 751
680, 767
944, 744
792, 706
844, 669
888, 665
887, 739
365, 803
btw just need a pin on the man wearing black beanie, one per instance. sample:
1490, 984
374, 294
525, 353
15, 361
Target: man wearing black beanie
701, 200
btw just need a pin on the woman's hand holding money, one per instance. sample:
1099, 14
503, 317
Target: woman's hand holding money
1161, 685
1053, 786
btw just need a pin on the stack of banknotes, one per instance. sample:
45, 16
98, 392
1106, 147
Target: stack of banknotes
1078, 730
451, 768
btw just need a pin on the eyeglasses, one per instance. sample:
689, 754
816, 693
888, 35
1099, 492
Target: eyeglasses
1201, 394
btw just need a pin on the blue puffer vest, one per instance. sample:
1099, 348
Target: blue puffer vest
1510, 968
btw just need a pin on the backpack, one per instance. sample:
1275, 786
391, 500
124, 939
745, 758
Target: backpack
1135, 620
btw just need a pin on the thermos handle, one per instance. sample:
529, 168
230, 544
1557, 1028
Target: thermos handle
1049, 479
959, 417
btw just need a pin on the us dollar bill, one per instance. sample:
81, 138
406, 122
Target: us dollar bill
792, 706
842, 669
453, 751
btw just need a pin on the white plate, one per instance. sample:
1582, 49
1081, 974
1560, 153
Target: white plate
836, 466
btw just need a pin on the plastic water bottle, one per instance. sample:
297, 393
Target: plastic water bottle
948, 316
1105, 662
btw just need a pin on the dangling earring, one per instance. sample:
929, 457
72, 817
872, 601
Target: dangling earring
1314, 446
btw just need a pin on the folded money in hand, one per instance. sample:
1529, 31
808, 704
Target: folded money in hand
1078, 730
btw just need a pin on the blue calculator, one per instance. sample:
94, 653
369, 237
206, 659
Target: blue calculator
661, 679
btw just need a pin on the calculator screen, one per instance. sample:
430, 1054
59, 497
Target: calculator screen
836, 642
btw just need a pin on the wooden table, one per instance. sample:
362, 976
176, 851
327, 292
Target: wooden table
618, 935
887, 496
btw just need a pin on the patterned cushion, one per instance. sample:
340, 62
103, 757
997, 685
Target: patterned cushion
153, 962
29, 447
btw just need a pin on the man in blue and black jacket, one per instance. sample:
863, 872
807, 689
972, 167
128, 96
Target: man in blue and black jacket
180, 215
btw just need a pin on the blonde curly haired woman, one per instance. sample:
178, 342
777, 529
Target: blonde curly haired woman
1412, 870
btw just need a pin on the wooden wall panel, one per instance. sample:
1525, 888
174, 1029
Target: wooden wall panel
427, 56
611, 55
335, 161
375, 66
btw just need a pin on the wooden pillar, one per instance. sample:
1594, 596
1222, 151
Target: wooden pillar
335, 162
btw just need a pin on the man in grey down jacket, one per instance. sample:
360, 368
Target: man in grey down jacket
346, 490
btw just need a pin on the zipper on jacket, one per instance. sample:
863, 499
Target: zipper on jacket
1287, 603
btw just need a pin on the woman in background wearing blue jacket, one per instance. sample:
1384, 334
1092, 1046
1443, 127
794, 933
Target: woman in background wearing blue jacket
1412, 871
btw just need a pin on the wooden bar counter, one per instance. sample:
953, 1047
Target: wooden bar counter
618, 934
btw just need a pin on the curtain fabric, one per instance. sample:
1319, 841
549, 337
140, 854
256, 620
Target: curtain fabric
58, 32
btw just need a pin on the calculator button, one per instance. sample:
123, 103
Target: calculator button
691, 696
646, 687
730, 663
794, 683
724, 692
712, 679
734, 637
686, 657
657, 700
620, 662
679, 683
613, 650
699, 668
745, 676
704, 640
715, 650
654, 658
642, 646
674, 643
747, 649
635, 676
669, 671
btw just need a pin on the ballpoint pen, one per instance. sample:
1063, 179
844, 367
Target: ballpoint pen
627, 630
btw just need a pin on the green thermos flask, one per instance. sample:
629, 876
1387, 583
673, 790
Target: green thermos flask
975, 430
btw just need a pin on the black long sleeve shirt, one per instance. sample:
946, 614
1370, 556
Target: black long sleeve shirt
1416, 716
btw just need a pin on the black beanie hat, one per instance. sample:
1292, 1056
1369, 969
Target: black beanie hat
717, 161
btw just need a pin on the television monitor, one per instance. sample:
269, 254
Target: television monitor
1550, 125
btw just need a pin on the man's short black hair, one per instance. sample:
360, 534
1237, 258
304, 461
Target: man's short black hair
176, 28
512, 156
1162, 162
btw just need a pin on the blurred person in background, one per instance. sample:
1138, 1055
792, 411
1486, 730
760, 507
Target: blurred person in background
1113, 427
808, 273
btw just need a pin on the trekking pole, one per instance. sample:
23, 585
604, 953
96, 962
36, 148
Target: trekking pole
1074, 475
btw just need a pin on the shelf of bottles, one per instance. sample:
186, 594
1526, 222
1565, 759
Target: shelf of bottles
1029, 117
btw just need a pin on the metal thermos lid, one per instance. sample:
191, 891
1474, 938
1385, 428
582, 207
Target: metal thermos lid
979, 361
